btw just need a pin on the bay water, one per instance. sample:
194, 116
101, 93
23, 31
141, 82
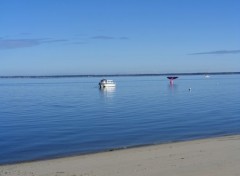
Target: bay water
44, 118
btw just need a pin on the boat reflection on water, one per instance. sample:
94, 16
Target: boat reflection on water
108, 92
172, 88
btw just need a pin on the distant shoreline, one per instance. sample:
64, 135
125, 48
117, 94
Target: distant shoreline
122, 75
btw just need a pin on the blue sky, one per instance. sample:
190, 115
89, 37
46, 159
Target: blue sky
51, 37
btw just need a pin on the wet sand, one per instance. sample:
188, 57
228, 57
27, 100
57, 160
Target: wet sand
207, 157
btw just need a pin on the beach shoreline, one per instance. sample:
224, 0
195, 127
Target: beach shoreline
212, 156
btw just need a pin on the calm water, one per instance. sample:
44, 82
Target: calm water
44, 118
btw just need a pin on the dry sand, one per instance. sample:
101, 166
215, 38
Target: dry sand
208, 157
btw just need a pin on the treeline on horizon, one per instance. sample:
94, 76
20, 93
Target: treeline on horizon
115, 75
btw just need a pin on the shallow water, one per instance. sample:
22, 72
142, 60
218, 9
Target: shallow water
45, 118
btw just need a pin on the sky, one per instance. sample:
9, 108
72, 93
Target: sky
56, 37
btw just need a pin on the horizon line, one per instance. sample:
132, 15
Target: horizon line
115, 75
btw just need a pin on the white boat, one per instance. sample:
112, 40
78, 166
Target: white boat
106, 83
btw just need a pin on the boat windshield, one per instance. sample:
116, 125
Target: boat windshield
109, 81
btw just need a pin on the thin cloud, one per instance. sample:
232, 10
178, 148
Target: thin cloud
218, 52
11, 43
18, 43
103, 37
23, 43
55, 41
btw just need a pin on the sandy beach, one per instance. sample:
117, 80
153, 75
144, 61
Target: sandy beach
207, 157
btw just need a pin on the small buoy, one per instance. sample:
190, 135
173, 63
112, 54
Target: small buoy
190, 89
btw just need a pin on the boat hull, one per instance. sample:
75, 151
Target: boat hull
106, 85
